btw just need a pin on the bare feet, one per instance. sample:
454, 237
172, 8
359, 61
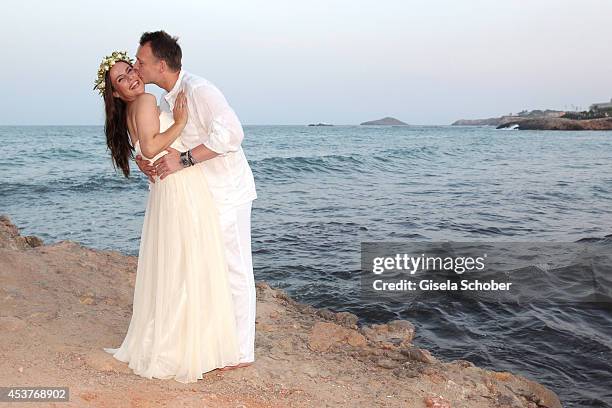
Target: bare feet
241, 365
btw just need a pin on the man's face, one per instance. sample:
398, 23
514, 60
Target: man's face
147, 66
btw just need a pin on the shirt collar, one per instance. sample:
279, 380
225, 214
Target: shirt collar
176, 88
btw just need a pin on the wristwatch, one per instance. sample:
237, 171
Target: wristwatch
192, 159
187, 159
185, 162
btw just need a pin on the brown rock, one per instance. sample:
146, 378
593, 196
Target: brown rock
437, 378
326, 314
9, 235
10, 323
281, 294
394, 355
87, 300
417, 354
325, 335
265, 327
463, 363
88, 396
103, 361
436, 402
539, 394
491, 386
346, 319
404, 326
397, 332
33, 241
387, 363
355, 339
306, 309
509, 401
264, 291
502, 376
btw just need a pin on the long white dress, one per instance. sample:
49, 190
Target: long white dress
183, 321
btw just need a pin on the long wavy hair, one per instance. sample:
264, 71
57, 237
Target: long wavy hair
116, 130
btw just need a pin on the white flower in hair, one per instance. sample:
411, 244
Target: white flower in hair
106, 64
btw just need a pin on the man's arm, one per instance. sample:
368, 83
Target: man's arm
147, 168
225, 132
171, 162
202, 153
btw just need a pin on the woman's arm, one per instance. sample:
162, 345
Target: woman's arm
152, 141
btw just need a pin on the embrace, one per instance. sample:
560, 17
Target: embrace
194, 297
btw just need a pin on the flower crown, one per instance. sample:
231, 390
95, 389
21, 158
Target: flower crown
105, 66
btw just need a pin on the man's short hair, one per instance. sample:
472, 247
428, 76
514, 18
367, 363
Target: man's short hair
165, 47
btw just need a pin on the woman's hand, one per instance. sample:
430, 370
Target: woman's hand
180, 109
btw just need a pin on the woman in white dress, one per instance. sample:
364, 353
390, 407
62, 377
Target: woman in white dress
182, 321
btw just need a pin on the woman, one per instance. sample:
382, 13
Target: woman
182, 320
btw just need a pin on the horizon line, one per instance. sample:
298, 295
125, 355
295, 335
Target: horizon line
244, 124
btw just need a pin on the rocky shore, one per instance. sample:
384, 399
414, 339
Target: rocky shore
540, 120
558, 124
60, 304
510, 120
477, 122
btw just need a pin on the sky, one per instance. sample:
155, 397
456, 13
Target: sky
298, 62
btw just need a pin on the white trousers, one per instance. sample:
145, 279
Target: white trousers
236, 230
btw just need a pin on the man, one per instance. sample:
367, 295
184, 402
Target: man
214, 135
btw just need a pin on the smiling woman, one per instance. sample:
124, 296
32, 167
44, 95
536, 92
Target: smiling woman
125, 81
132, 114
115, 107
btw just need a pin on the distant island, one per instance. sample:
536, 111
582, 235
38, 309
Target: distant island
320, 124
598, 117
388, 121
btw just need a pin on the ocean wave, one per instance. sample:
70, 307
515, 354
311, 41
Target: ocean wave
407, 153
290, 166
62, 153
390, 160
74, 185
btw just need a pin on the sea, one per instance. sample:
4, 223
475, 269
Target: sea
323, 191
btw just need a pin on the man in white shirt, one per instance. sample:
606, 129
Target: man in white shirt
214, 135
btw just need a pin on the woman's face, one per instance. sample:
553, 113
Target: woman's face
127, 85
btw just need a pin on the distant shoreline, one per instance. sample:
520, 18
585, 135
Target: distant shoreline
544, 120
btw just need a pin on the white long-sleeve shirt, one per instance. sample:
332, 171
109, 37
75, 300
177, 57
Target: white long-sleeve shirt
213, 123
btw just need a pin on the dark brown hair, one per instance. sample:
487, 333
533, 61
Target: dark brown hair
165, 47
115, 128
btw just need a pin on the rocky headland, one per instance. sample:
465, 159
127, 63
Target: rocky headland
558, 124
477, 122
543, 120
509, 119
60, 304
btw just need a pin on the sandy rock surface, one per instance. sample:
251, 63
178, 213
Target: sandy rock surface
61, 304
